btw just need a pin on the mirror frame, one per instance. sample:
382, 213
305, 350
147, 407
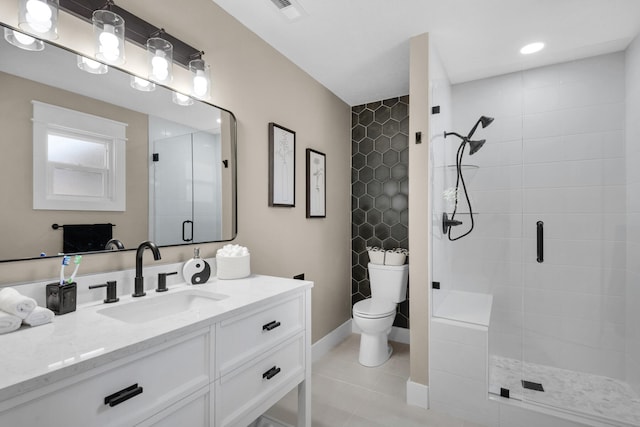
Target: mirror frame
233, 154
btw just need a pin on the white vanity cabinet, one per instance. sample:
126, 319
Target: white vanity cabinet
225, 372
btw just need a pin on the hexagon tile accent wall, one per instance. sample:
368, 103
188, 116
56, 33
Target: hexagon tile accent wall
379, 188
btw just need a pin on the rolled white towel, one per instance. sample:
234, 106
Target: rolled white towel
39, 316
9, 322
12, 302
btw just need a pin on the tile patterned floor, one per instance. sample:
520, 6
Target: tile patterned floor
347, 394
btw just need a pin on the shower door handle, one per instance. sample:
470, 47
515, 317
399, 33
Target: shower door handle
540, 241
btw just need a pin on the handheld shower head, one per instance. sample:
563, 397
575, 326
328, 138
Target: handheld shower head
484, 121
474, 146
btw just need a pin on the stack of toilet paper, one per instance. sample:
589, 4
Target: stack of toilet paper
233, 262
16, 309
379, 256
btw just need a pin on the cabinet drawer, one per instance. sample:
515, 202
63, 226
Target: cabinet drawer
243, 389
192, 411
243, 337
161, 378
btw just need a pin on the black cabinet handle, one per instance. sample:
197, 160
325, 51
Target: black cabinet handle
271, 373
540, 241
271, 325
184, 237
122, 395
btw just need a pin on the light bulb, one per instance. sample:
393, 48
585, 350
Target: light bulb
200, 84
110, 54
141, 82
108, 38
181, 99
160, 66
94, 65
23, 38
39, 16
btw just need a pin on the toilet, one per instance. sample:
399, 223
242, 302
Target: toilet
374, 316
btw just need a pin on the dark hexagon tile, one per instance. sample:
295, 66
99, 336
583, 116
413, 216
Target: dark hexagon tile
399, 202
404, 126
358, 108
356, 298
358, 216
374, 216
398, 172
359, 273
390, 188
401, 322
374, 159
399, 111
354, 202
382, 144
354, 119
405, 99
390, 158
365, 203
354, 147
390, 102
404, 217
365, 118
365, 289
404, 156
382, 231
382, 114
390, 243
374, 188
399, 232
366, 231
354, 258
399, 142
383, 203
358, 244
390, 128
374, 242
363, 258
374, 130
366, 174
365, 146
354, 174
354, 286
382, 173
358, 132
374, 105
404, 186
358, 160
358, 188
390, 217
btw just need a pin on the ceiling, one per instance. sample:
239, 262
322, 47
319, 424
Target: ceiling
359, 49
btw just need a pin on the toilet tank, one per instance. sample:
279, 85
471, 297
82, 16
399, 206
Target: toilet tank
389, 282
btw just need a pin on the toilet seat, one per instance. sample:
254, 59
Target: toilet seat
372, 308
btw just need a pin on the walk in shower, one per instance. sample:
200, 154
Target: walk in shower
555, 192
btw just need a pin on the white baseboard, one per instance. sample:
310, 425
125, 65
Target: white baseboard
396, 334
417, 394
329, 341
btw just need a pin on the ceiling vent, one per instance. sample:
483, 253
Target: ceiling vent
290, 9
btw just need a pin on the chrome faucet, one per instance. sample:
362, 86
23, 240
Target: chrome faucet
114, 244
139, 280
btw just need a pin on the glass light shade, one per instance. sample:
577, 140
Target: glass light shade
160, 53
201, 76
39, 17
91, 66
22, 40
181, 99
142, 84
108, 35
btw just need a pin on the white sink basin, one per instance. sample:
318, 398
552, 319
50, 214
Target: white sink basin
146, 309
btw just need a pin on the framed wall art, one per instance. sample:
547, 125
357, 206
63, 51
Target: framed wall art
282, 166
316, 184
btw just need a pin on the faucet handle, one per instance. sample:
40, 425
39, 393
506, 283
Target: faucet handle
112, 291
162, 281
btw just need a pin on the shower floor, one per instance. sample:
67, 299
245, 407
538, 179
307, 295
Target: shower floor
574, 391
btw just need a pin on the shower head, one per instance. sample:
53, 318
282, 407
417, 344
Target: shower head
474, 146
484, 121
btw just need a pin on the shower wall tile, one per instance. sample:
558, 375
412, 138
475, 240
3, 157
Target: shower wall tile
379, 161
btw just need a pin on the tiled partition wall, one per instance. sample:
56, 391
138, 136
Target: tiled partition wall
380, 188
633, 213
555, 153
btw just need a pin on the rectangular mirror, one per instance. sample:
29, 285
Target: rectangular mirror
177, 165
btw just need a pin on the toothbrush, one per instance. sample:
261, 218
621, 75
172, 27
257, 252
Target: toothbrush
76, 261
65, 262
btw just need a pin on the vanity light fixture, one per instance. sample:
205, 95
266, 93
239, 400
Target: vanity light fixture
532, 48
181, 99
142, 85
39, 17
160, 54
23, 41
201, 78
108, 33
91, 66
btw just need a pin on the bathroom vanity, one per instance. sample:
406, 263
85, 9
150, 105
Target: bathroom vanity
218, 354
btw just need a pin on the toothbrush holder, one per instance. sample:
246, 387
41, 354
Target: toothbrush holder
61, 299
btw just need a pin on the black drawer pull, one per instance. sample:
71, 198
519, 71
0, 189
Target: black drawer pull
271, 325
122, 395
271, 373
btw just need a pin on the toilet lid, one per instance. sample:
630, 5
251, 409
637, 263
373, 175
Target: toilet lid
374, 308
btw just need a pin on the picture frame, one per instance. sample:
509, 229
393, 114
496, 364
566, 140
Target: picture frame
282, 166
316, 184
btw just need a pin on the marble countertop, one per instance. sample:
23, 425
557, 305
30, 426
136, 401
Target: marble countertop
33, 357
